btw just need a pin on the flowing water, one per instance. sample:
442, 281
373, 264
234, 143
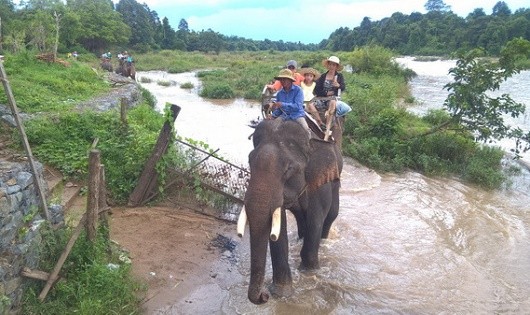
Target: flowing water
402, 244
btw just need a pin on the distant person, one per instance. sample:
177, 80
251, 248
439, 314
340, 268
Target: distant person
291, 65
75, 54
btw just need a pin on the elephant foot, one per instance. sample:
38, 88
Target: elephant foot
281, 290
261, 298
308, 266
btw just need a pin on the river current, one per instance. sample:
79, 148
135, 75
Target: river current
403, 243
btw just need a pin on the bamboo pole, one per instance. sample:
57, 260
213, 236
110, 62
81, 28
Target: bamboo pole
53, 276
62, 259
27, 148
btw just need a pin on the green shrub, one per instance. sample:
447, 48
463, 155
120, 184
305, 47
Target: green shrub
163, 83
217, 90
484, 167
145, 80
93, 282
187, 85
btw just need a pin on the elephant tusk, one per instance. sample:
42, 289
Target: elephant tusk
276, 224
241, 222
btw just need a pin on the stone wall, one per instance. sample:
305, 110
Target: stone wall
20, 226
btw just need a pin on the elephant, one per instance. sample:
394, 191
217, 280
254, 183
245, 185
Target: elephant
106, 65
126, 69
288, 171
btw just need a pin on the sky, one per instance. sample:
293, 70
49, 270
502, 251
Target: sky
308, 21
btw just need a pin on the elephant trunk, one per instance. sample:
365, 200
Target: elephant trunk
258, 254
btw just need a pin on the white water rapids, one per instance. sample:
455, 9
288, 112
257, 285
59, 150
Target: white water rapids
402, 244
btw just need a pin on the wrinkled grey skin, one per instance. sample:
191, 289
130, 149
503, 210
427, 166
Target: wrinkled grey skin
292, 172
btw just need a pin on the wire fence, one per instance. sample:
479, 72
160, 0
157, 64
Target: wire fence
215, 174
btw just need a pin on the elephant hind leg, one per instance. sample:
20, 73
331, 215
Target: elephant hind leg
333, 211
300, 221
309, 252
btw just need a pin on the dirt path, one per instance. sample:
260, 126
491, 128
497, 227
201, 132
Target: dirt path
183, 257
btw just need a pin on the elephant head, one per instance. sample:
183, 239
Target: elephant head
288, 171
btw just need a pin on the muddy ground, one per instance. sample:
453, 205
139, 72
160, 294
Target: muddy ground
183, 256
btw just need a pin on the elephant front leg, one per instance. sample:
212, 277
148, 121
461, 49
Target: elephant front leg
282, 282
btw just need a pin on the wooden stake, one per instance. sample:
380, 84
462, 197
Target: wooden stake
148, 179
94, 173
22, 132
53, 276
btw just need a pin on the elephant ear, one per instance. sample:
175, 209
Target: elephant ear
323, 166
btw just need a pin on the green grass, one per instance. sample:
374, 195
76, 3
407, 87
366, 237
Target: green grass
62, 140
89, 285
49, 87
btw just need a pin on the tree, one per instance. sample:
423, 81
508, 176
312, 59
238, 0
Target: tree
57, 17
168, 35
7, 9
137, 17
183, 26
469, 104
209, 41
501, 9
477, 13
101, 25
436, 6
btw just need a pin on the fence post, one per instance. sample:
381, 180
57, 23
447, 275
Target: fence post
147, 180
94, 176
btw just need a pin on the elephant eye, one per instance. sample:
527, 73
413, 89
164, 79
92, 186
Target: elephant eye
291, 170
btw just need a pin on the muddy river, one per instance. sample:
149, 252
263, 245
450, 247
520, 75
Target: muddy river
402, 244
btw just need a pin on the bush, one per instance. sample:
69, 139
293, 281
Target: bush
218, 91
376, 60
93, 282
484, 167
63, 141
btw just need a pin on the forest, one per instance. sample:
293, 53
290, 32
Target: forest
99, 25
